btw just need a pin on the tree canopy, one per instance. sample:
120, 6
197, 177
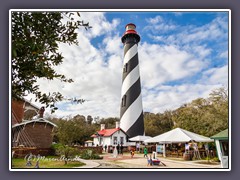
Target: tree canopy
35, 39
159, 123
205, 116
73, 131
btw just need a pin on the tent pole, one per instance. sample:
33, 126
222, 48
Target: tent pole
164, 150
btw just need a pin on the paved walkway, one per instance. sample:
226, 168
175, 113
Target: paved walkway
89, 164
138, 161
142, 163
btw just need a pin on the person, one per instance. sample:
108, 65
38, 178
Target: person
132, 153
105, 147
115, 152
187, 147
149, 160
145, 151
138, 147
152, 148
111, 149
118, 149
121, 149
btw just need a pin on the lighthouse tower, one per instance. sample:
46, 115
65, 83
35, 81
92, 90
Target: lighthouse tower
131, 112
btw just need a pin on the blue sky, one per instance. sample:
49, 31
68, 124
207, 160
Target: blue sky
182, 56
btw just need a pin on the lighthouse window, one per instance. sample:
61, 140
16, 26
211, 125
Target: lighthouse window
125, 67
124, 100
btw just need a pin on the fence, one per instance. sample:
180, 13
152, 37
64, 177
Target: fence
21, 152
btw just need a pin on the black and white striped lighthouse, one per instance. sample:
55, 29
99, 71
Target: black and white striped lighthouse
131, 112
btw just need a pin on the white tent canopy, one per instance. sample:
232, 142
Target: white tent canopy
178, 135
140, 138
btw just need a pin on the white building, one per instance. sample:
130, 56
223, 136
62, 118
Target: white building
88, 143
110, 137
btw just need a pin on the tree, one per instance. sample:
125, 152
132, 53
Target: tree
73, 131
35, 37
89, 119
109, 122
66, 151
156, 124
204, 116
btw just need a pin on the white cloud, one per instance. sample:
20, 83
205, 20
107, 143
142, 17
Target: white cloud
153, 21
97, 77
172, 97
216, 30
100, 25
216, 75
97, 71
178, 13
161, 64
159, 24
224, 54
113, 45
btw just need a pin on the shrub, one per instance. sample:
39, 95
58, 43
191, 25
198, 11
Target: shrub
90, 154
65, 151
215, 159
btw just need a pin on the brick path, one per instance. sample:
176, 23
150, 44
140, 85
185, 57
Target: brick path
138, 161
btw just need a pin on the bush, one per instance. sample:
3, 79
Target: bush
65, 150
89, 154
215, 159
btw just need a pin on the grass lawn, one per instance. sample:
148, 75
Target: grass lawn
48, 162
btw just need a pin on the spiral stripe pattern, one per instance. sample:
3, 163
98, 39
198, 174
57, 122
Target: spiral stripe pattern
131, 112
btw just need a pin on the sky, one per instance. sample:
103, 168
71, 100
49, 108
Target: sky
182, 56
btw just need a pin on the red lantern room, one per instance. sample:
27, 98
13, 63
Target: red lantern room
130, 32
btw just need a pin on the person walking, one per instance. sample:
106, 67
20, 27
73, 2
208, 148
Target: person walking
145, 151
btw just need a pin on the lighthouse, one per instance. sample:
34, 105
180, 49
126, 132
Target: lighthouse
131, 111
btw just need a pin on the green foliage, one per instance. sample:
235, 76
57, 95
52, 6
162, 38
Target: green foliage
35, 38
78, 129
203, 116
89, 119
90, 154
73, 131
156, 124
215, 159
66, 151
109, 122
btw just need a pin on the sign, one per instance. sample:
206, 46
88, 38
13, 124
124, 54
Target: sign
159, 148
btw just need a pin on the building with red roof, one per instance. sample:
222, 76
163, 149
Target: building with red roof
110, 137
